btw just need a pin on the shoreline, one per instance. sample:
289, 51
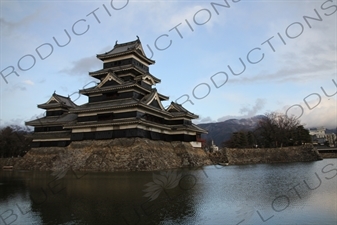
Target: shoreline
140, 154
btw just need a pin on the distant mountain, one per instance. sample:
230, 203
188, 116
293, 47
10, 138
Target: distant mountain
222, 131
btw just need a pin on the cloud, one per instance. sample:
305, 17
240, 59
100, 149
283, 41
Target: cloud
10, 26
224, 118
307, 57
29, 82
190, 13
83, 66
286, 74
247, 112
259, 104
321, 112
303, 63
15, 87
204, 120
12, 122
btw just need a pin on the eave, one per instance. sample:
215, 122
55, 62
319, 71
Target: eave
112, 88
105, 56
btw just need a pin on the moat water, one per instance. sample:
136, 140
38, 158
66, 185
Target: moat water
294, 193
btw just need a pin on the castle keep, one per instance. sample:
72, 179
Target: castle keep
122, 104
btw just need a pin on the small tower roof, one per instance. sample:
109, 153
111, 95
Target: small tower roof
56, 101
175, 108
153, 96
126, 48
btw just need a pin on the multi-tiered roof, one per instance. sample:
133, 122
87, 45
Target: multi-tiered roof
124, 103
49, 130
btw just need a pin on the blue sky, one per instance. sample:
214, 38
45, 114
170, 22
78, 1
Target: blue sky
207, 39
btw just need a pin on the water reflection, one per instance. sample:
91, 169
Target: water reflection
278, 193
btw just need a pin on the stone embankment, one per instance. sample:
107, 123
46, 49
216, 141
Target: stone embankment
123, 154
137, 154
328, 155
238, 156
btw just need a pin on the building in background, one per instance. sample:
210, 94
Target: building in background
319, 132
319, 137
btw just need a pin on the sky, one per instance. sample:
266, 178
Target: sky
219, 59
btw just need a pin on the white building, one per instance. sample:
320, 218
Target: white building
320, 137
213, 147
319, 132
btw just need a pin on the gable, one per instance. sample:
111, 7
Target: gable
149, 80
110, 79
140, 49
52, 100
155, 101
155, 104
172, 108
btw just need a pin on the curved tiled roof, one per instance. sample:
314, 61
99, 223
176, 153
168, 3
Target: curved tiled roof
126, 48
53, 120
126, 85
56, 101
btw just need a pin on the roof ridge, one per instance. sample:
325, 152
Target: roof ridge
127, 43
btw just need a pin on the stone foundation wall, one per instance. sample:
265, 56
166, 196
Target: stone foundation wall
271, 155
122, 154
140, 154
8, 161
328, 155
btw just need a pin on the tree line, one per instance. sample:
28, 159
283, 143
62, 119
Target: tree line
14, 141
273, 131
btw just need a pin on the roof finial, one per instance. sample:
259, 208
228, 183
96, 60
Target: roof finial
116, 42
137, 37
54, 91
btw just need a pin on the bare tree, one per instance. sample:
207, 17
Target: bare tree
14, 141
277, 130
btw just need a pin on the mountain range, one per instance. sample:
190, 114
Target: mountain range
222, 131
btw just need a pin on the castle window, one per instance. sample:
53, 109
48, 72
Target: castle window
112, 95
106, 116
